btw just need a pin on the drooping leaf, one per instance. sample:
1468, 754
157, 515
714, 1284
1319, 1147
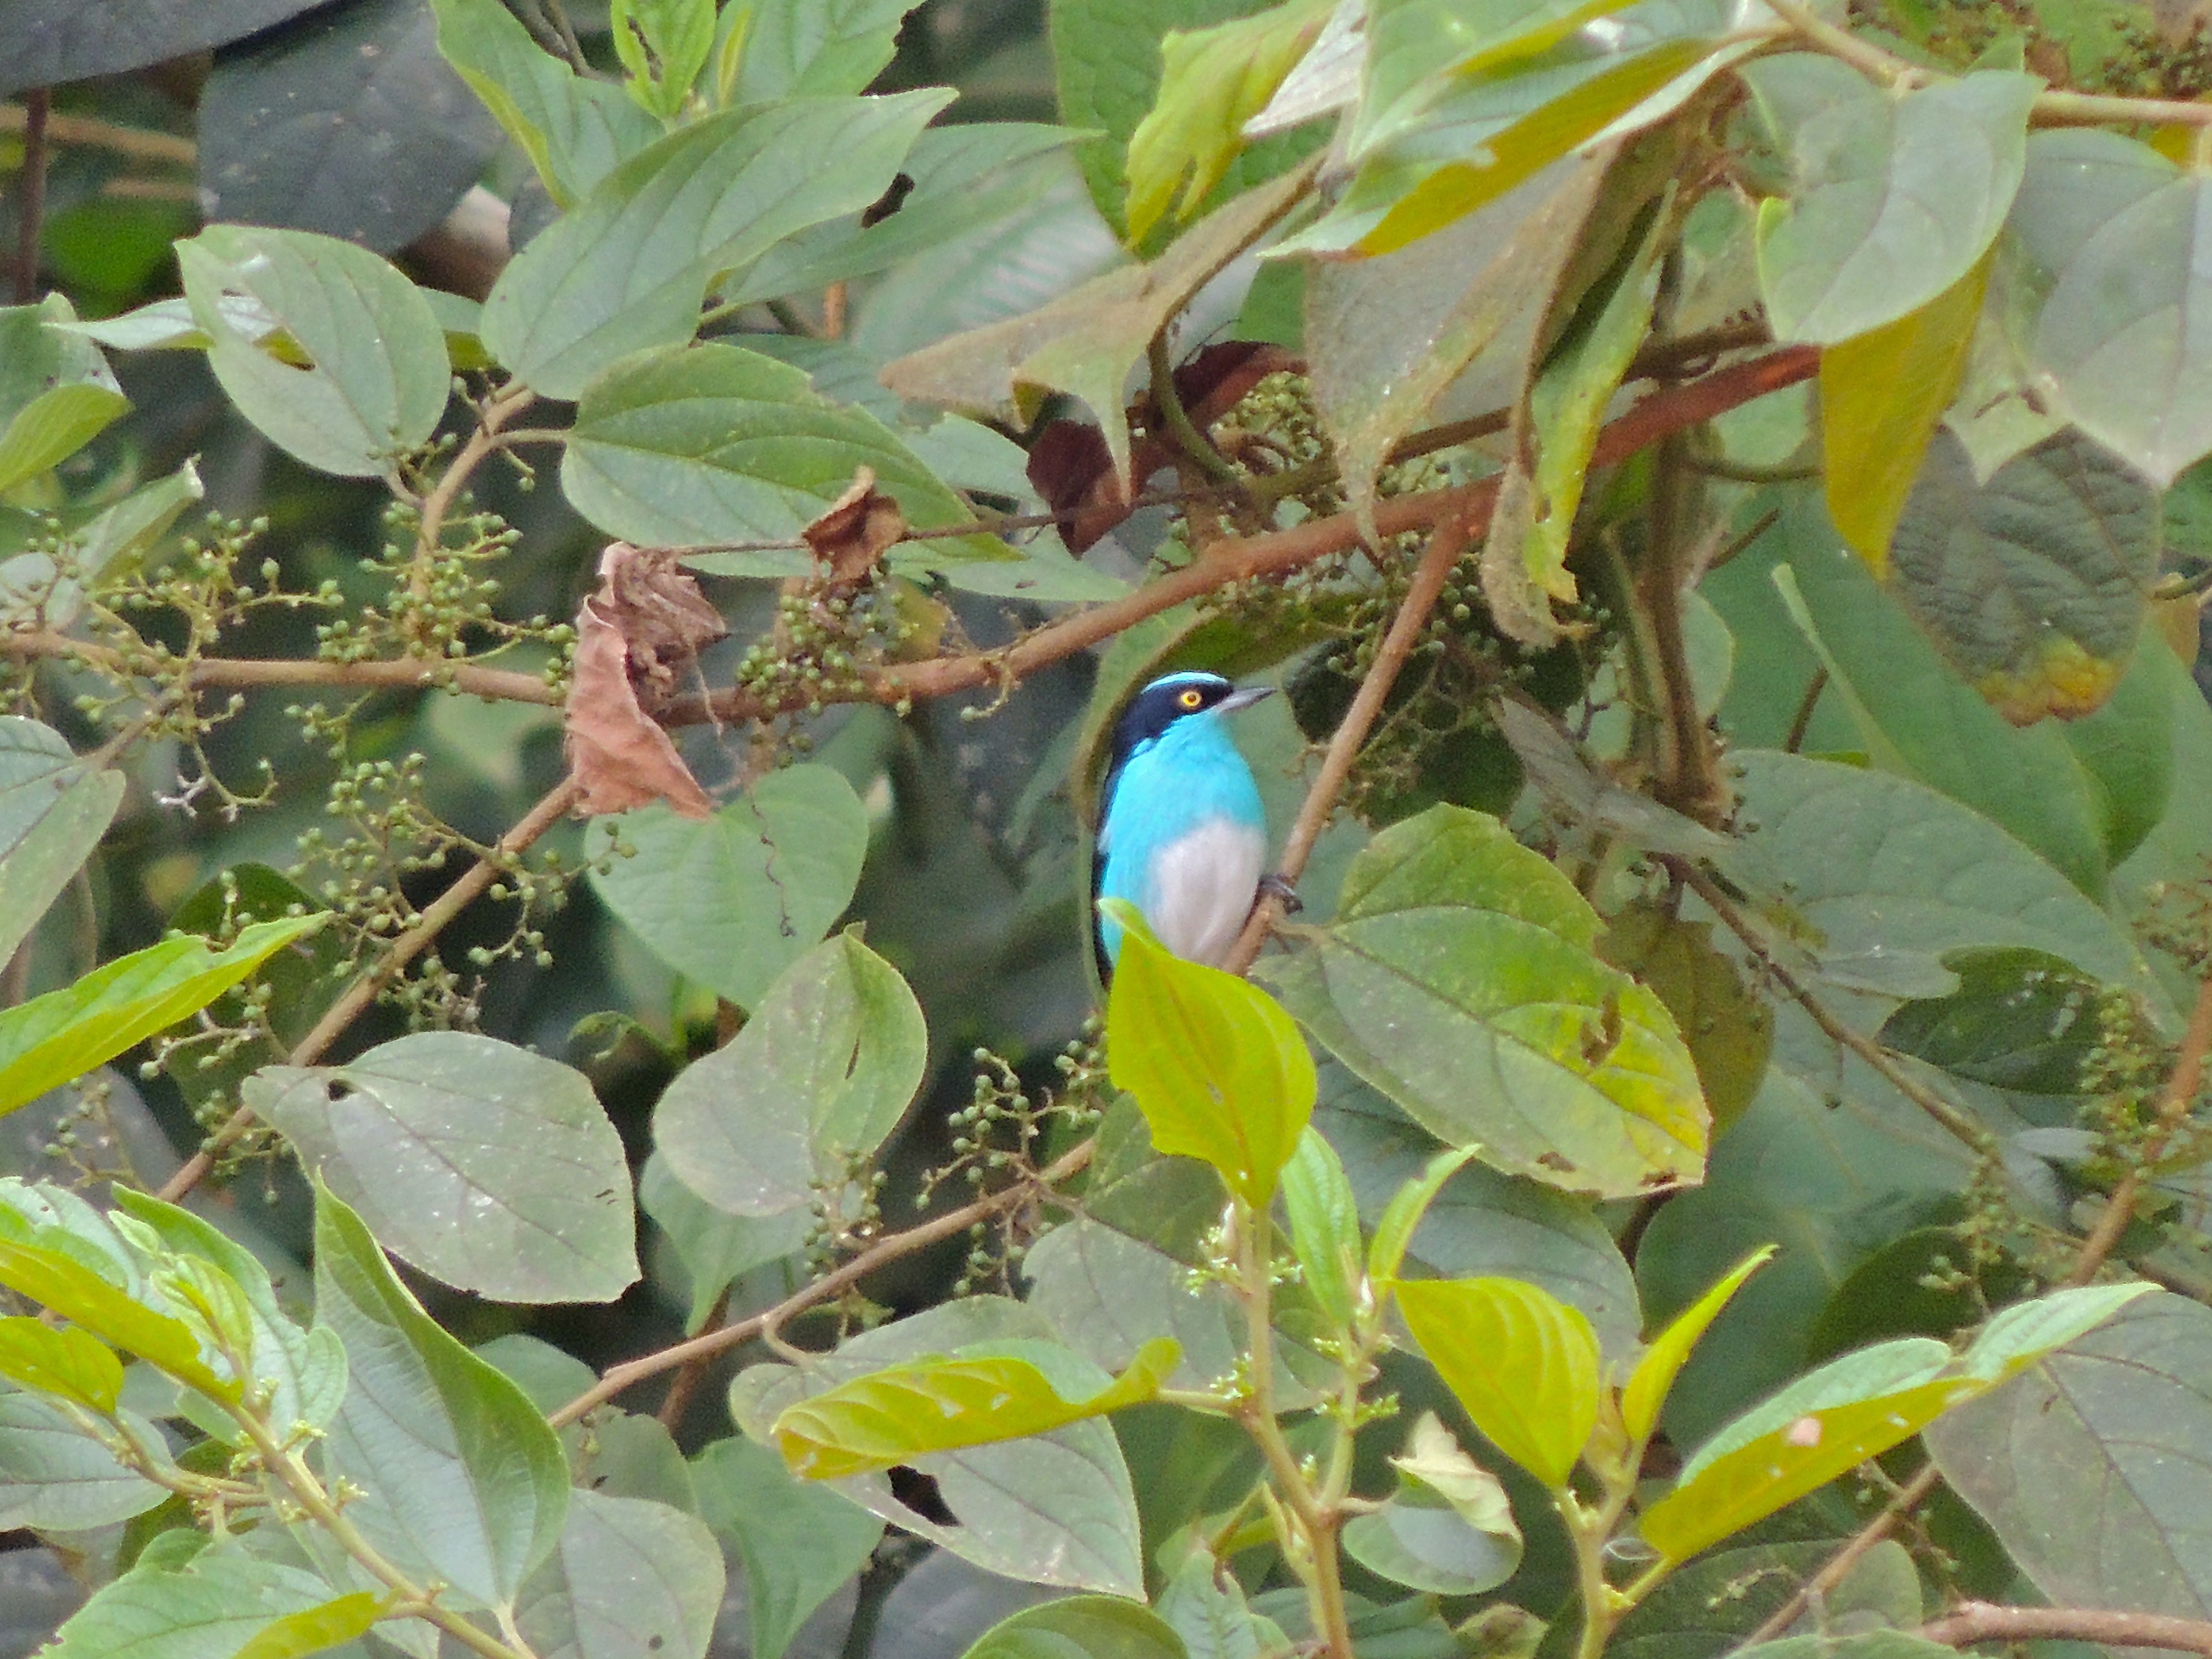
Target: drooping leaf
893, 1416
52, 814
1087, 342
800, 1541
1447, 1529
712, 443
574, 130
460, 1477
1893, 198
1524, 1365
628, 267
487, 1166
376, 376
66, 1286
1654, 1374
715, 1246
819, 1076
732, 901
2034, 585
415, 139
1054, 1508
2020, 1020
1080, 1628
57, 392
1458, 979
216, 1602
1212, 80
629, 1579
63, 1035
1216, 1065
54, 1475
1882, 393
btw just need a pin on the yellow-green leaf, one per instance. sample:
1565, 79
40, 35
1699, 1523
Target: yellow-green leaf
1881, 395
1216, 1065
314, 1630
83, 1297
51, 1039
1663, 1360
1393, 1232
60, 1361
1324, 1218
1212, 82
1523, 1364
905, 1411
1753, 1481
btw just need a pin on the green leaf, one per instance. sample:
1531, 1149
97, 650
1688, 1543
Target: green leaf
1711, 1605
1088, 341
2033, 585
1654, 1374
57, 392
820, 1076
1447, 1529
716, 1248
891, 1417
53, 1475
1212, 82
485, 1166
574, 130
628, 267
1054, 1508
813, 48
213, 1604
1206, 1608
63, 1035
1324, 1225
1218, 1067
60, 1361
1409, 1206
713, 443
1881, 395
2077, 1465
52, 813
1080, 1628
733, 901
1458, 979
2020, 1019
1893, 198
65, 1286
2018, 1336
2119, 340
1386, 336
630, 1579
460, 1477
663, 45
1727, 1025
799, 1541
315, 1630
1523, 1364
375, 376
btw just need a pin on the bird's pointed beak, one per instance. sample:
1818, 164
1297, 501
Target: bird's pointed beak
1243, 698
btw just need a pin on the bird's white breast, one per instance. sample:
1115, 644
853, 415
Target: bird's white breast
1202, 885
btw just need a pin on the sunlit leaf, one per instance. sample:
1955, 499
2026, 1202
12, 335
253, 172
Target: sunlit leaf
315, 1630
1324, 1225
62, 1361
1447, 1529
67, 1287
1647, 1387
1523, 1365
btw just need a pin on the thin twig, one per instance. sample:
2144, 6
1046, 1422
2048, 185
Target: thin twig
1446, 542
135, 142
1802, 722
430, 528
1838, 1567
2174, 1106
1984, 1621
244, 673
364, 991
31, 193
616, 1378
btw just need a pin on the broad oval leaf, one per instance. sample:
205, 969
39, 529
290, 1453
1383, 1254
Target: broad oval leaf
1524, 1364
802, 48
630, 1579
699, 445
487, 1166
1447, 1529
1218, 1068
799, 1541
1892, 197
731, 900
316, 1630
461, 1478
52, 814
1080, 1628
630, 267
821, 1073
47, 1040
65, 1285
376, 376
216, 1602
2020, 1019
893, 1416
1458, 978
54, 1475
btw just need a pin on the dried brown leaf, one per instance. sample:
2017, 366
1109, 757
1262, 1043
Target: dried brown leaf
852, 533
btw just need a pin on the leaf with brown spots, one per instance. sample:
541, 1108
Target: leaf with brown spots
855, 531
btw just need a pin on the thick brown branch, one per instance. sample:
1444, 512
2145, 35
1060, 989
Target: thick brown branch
1446, 542
1985, 1621
364, 991
616, 1378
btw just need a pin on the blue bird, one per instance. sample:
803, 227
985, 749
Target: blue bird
1182, 834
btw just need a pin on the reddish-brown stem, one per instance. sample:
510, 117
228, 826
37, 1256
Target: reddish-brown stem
1984, 1621
31, 194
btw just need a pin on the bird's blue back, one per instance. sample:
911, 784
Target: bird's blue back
1185, 781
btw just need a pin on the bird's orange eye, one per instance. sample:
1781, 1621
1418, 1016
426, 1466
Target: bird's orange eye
1191, 699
